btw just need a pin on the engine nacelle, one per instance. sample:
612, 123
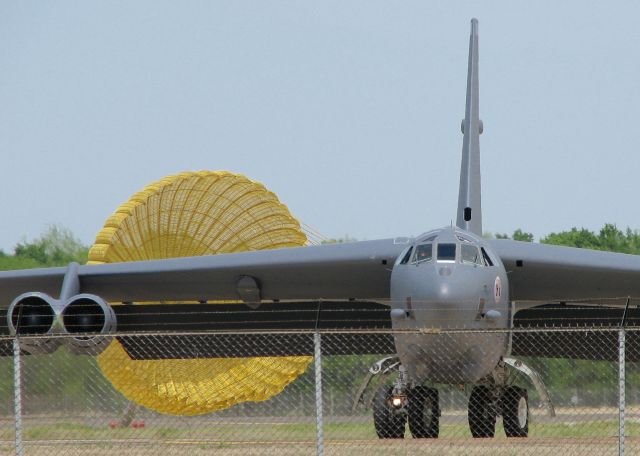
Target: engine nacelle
33, 316
87, 322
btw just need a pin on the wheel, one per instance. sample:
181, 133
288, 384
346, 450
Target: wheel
424, 412
482, 413
515, 412
388, 425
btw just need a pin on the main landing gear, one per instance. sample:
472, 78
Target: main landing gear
403, 402
388, 419
482, 412
496, 397
515, 412
424, 412
485, 404
420, 408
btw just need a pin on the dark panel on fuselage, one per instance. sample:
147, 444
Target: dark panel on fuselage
247, 345
239, 317
575, 315
590, 345
590, 332
288, 316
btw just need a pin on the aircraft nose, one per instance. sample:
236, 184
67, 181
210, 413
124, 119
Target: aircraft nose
443, 292
450, 289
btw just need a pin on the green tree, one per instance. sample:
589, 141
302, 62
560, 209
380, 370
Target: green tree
57, 246
518, 235
10, 262
581, 238
610, 238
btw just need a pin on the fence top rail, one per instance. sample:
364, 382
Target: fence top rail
310, 332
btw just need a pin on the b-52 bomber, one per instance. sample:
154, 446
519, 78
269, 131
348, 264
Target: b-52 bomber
447, 278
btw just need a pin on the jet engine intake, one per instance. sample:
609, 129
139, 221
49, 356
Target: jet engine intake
34, 315
88, 322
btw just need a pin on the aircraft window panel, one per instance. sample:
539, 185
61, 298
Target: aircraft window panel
405, 258
430, 238
424, 252
470, 254
447, 252
463, 239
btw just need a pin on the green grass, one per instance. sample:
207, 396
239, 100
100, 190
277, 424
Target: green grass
230, 432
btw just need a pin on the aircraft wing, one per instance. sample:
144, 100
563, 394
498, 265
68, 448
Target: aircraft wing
334, 286
550, 273
358, 270
559, 287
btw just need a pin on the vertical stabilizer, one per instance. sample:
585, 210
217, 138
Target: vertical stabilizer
469, 215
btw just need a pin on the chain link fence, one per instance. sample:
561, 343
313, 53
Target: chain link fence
249, 399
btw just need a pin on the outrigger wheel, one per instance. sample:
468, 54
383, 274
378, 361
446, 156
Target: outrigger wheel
388, 423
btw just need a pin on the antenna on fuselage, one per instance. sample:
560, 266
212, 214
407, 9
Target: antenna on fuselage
469, 215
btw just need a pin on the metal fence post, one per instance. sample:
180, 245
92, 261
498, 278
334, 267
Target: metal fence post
318, 368
17, 395
621, 390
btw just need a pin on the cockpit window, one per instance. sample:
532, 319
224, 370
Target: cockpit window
429, 239
424, 252
463, 239
446, 252
470, 254
405, 258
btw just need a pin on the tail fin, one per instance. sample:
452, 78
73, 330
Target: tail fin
469, 202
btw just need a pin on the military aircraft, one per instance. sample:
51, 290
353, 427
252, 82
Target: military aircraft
445, 278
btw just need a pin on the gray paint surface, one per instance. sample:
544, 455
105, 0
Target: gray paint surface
470, 189
555, 273
351, 270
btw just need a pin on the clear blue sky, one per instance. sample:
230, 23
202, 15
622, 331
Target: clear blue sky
349, 111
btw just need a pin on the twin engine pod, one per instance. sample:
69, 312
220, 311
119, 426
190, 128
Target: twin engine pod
83, 323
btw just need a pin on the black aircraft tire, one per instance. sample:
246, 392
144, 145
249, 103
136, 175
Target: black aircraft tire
424, 412
388, 425
515, 412
482, 413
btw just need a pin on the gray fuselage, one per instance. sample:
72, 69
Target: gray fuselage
449, 279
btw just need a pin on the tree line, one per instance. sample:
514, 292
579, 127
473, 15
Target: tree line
58, 246
609, 238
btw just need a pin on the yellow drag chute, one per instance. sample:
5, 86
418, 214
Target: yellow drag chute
190, 214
